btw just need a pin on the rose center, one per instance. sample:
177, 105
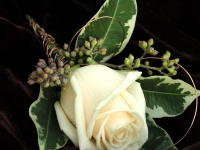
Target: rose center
122, 134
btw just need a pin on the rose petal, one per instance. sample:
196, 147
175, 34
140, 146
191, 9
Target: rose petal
130, 77
94, 85
135, 108
136, 90
65, 124
84, 141
67, 102
101, 135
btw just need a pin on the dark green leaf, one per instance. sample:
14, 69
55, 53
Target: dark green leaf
158, 138
166, 97
125, 12
42, 113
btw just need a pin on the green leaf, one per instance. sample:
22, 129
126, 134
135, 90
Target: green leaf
125, 12
166, 97
158, 138
42, 113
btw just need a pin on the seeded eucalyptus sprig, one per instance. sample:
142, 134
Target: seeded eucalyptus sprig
168, 68
168, 65
61, 62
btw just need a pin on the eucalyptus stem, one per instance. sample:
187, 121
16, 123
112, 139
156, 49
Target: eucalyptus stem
159, 69
120, 67
144, 53
124, 67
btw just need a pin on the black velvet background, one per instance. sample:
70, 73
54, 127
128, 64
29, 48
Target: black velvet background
173, 24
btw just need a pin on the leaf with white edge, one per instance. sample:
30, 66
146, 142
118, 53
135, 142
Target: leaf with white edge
158, 138
125, 12
43, 114
166, 97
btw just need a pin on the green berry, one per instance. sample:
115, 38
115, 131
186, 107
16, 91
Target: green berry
31, 82
176, 60
67, 67
136, 63
171, 70
93, 42
174, 73
144, 45
164, 64
168, 54
87, 52
73, 54
90, 38
131, 58
39, 80
150, 42
67, 54
65, 46
71, 63
48, 70
89, 59
80, 53
45, 76
154, 53
61, 70
102, 51
60, 63
80, 61
127, 62
170, 63
149, 72
46, 84
100, 42
58, 82
50, 60
150, 50
39, 71
146, 63
87, 44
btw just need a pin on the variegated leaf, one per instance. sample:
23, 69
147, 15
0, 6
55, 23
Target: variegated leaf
166, 97
122, 10
158, 138
42, 112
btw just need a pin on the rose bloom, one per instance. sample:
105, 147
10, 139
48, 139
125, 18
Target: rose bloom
102, 108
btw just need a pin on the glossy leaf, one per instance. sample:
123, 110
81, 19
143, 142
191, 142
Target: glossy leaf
158, 138
166, 97
42, 113
123, 11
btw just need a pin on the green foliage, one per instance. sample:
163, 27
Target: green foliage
42, 113
158, 138
166, 97
110, 30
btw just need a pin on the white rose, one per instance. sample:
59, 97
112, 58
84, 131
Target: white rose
103, 109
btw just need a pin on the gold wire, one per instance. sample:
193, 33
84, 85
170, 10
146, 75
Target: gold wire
196, 107
103, 17
45, 38
47, 45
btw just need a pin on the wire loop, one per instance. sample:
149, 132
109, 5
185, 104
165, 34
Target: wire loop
196, 107
103, 17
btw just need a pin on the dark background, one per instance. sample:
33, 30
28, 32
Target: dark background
173, 24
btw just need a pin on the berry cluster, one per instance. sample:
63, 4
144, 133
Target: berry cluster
58, 70
51, 74
168, 65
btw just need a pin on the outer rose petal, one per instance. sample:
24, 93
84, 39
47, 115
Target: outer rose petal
65, 124
83, 140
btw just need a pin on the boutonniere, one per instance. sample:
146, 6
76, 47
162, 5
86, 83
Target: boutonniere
97, 105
